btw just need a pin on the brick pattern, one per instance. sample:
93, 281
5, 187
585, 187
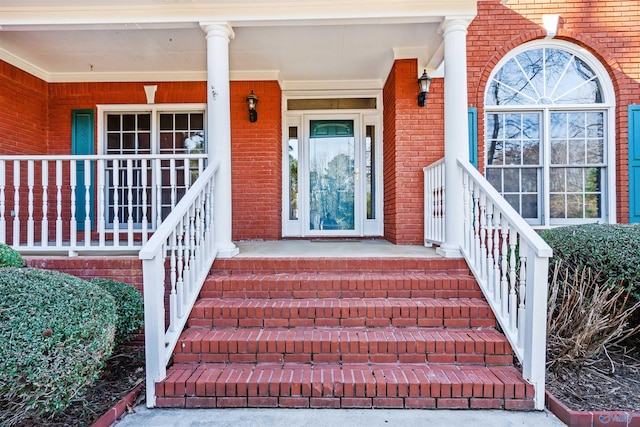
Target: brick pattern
413, 139
23, 115
256, 163
606, 28
342, 333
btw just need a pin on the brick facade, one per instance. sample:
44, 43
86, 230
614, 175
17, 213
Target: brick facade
607, 29
413, 139
36, 117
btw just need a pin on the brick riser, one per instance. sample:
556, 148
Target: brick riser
349, 333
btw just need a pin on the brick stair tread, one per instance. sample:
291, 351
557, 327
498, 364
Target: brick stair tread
341, 285
348, 345
339, 265
382, 380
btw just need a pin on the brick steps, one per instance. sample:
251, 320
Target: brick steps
408, 312
343, 345
346, 386
343, 333
341, 285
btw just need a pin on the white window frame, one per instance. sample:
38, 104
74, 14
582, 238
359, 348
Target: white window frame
154, 110
608, 106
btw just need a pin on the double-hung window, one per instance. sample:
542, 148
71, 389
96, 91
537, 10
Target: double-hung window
153, 156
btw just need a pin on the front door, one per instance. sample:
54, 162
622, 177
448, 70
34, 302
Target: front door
332, 181
330, 176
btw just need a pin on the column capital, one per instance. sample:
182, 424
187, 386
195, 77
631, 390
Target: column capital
455, 23
218, 29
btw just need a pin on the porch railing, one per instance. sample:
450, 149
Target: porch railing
175, 263
510, 263
85, 203
434, 184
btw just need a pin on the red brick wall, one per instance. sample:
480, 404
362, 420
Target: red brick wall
608, 29
413, 139
65, 97
23, 112
256, 150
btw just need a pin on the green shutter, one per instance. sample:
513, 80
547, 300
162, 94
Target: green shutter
82, 144
634, 163
473, 136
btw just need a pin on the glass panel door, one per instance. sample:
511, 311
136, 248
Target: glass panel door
332, 175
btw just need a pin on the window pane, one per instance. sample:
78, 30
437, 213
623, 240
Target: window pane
182, 121
529, 206
574, 180
128, 122
370, 163
511, 180
574, 206
557, 178
593, 180
559, 152
494, 176
531, 153
595, 152
514, 201
530, 180
293, 173
577, 152
595, 124
557, 205
113, 122
592, 206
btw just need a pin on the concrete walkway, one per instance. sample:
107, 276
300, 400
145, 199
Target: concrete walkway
143, 417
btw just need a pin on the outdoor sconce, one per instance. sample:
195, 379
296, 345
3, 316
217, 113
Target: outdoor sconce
252, 101
424, 82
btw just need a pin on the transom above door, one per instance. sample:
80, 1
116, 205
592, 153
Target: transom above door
332, 175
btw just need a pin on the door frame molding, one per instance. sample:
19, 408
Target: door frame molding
299, 119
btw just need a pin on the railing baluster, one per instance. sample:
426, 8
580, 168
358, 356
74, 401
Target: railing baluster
158, 176
175, 309
512, 279
497, 257
59, 203
143, 191
504, 283
489, 260
483, 231
44, 224
30, 183
73, 227
88, 173
129, 186
522, 292
179, 231
16, 203
116, 200
3, 221
102, 172
172, 182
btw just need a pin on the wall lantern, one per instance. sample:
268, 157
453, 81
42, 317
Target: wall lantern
252, 101
424, 82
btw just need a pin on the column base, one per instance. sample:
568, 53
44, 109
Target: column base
449, 250
227, 251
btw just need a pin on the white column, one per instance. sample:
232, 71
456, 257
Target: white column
456, 132
219, 130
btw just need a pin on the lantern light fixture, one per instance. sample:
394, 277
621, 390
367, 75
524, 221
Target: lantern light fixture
252, 101
425, 83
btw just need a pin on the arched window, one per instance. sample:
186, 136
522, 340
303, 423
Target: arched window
548, 109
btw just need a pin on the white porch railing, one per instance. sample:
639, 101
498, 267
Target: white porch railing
176, 261
510, 262
85, 203
434, 184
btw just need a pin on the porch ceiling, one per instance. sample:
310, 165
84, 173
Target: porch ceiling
296, 42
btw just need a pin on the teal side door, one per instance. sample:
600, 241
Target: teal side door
82, 143
634, 163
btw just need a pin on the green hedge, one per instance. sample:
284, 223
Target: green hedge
129, 307
56, 331
613, 250
9, 257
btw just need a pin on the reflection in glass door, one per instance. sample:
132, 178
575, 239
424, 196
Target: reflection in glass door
332, 175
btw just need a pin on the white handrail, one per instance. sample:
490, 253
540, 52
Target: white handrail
89, 203
176, 260
434, 203
510, 262
506, 256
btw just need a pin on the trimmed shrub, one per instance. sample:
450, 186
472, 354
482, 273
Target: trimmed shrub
9, 257
56, 332
613, 250
129, 307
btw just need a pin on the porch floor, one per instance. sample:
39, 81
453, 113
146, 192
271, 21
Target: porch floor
331, 249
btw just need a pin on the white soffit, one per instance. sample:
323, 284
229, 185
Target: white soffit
161, 40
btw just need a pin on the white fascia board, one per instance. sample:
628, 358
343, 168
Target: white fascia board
174, 76
20, 63
248, 13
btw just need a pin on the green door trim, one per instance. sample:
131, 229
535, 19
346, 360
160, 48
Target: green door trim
82, 143
473, 136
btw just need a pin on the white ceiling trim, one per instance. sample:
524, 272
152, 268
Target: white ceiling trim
324, 85
20, 63
26, 12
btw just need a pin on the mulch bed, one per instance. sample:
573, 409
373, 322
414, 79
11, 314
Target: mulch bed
609, 382
123, 371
